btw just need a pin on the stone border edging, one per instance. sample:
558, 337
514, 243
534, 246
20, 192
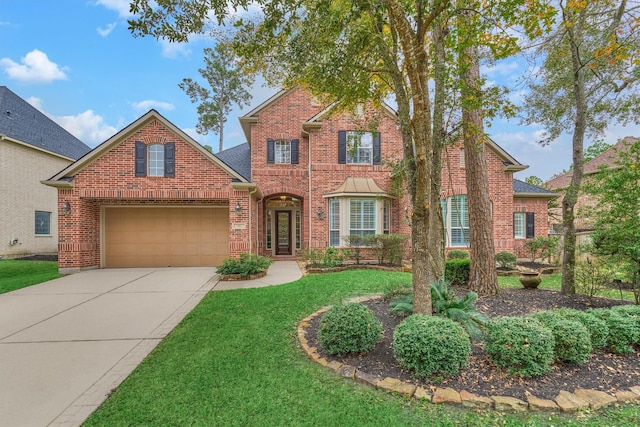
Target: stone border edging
565, 401
238, 277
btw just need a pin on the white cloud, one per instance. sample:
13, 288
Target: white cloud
35, 102
501, 68
150, 103
104, 32
35, 68
174, 50
120, 6
88, 127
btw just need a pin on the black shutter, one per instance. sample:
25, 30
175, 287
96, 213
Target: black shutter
141, 158
271, 151
342, 147
170, 159
531, 227
376, 148
294, 151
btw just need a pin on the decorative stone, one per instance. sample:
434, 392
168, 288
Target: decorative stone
597, 399
626, 396
365, 378
334, 365
347, 371
507, 403
446, 395
635, 389
397, 386
540, 405
471, 400
421, 393
569, 402
322, 362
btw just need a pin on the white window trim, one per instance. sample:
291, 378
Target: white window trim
351, 159
448, 222
285, 148
523, 234
153, 169
344, 226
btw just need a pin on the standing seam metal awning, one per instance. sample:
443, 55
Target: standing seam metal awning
358, 187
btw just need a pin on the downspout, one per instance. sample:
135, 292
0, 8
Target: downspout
309, 209
250, 222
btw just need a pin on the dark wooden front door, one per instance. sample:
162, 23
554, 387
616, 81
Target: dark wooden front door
283, 233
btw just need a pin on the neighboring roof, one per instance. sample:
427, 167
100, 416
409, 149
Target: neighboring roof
606, 158
23, 123
61, 179
238, 158
524, 189
357, 187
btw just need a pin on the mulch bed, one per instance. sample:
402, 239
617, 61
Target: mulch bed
604, 371
39, 258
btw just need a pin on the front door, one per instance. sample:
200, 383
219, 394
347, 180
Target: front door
283, 232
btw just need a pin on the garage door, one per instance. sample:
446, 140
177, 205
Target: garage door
165, 236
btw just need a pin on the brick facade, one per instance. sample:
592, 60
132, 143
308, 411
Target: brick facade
107, 178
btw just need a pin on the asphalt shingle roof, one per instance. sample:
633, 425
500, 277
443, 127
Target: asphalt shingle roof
238, 158
525, 187
23, 122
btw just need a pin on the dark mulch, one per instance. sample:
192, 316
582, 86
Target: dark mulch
39, 258
604, 371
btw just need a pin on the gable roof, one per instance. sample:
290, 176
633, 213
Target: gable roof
238, 158
22, 123
64, 177
606, 158
524, 189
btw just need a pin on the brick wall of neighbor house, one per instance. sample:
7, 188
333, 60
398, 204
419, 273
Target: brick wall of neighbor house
500, 192
111, 180
541, 228
21, 170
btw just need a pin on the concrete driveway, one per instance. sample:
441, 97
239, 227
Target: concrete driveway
65, 344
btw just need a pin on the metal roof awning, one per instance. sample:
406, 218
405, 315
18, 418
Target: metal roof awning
365, 187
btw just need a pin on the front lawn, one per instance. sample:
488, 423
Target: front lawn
17, 274
234, 360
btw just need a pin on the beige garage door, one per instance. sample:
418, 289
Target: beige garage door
165, 236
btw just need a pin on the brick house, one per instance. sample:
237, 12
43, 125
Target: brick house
306, 177
32, 148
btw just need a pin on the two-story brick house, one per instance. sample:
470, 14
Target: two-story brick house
306, 177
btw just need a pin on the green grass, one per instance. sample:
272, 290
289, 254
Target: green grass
234, 360
554, 282
17, 274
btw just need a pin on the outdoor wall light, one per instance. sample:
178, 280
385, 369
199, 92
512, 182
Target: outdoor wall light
238, 208
66, 208
320, 213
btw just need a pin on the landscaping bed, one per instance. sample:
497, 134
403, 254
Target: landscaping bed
603, 371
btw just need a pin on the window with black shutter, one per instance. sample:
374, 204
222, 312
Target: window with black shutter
531, 225
141, 158
170, 159
294, 151
271, 150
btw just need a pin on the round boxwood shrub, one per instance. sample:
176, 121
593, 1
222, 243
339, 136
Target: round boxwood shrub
506, 259
633, 311
457, 254
622, 330
597, 328
430, 345
573, 342
521, 345
349, 328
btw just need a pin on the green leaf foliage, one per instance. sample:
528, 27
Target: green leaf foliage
506, 259
349, 328
456, 271
245, 265
572, 340
431, 345
457, 254
623, 332
597, 328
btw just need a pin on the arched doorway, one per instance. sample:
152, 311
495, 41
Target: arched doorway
283, 225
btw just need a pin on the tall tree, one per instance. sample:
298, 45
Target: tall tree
228, 86
588, 78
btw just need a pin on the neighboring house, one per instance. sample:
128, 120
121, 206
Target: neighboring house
32, 148
560, 183
307, 177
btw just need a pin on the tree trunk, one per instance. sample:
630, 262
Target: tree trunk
221, 140
571, 196
483, 277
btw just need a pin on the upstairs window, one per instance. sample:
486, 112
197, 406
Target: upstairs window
155, 159
359, 148
282, 151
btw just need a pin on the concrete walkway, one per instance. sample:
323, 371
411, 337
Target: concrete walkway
67, 343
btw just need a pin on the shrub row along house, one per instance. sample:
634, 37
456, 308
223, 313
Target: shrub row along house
307, 177
32, 148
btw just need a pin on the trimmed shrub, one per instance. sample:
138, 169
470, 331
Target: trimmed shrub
431, 345
506, 259
520, 345
349, 328
597, 328
389, 248
456, 271
633, 311
245, 265
573, 342
622, 330
457, 254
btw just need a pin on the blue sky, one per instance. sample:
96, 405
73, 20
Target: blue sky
78, 63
